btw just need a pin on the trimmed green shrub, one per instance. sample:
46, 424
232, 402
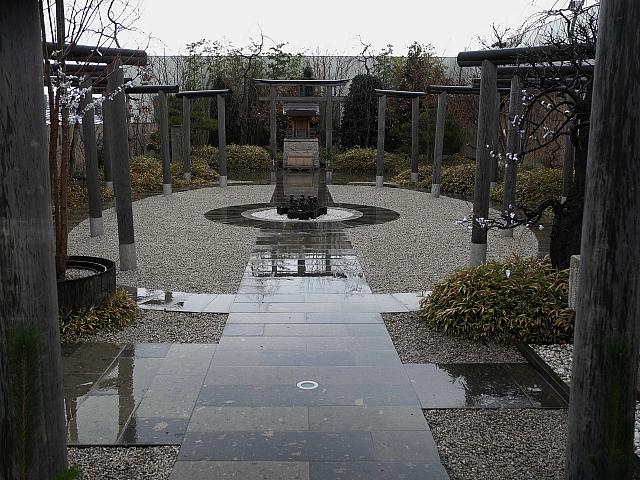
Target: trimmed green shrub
533, 187
79, 197
456, 159
517, 300
403, 179
363, 161
115, 313
459, 179
146, 174
240, 158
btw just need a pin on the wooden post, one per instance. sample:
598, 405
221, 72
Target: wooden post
485, 138
176, 143
415, 148
495, 143
186, 137
436, 177
122, 169
96, 225
222, 142
32, 428
569, 156
382, 105
164, 143
605, 358
107, 145
329, 128
513, 151
273, 127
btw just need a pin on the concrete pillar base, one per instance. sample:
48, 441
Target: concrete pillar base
329, 177
414, 177
493, 185
222, 181
478, 254
108, 186
187, 176
96, 226
435, 190
167, 189
128, 257
507, 233
379, 181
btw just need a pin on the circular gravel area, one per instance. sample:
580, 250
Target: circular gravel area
115, 463
158, 326
332, 215
415, 343
178, 248
424, 245
502, 444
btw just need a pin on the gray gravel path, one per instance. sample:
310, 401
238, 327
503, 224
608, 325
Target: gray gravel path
115, 463
424, 245
415, 343
157, 326
501, 444
178, 249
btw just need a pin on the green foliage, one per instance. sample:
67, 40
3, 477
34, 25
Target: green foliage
72, 474
240, 158
518, 300
146, 174
115, 313
23, 362
363, 160
403, 179
79, 197
459, 179
533, 187
360, 116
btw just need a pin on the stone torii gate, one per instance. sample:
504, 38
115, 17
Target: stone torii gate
162, 91
328, 100
415, 117
222, 131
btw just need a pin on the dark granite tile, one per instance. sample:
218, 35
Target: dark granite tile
537, 389
403, 446
348, 313
437, 388
376, 471
330, 419
217, 446
238, 329
283, 358
154, 431
146, 350
239, 470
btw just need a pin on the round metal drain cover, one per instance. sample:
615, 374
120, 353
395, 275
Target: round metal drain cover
307, 385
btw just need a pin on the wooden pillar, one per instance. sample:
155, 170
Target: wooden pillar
107, 145
486, 134
329, 128
122, 169
436, 177
569, 156
273, 127
222, 142
513, 151
186, 137
415, 142
96, 224
382, 106
605, 353
29, 332
164, 143
495, 144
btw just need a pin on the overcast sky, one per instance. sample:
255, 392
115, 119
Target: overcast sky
331, 25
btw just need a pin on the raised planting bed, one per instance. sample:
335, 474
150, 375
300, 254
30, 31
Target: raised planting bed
87, 291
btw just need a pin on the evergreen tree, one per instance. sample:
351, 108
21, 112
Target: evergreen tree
360, 117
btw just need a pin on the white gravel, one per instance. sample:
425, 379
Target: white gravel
500, 444
560, 359
424, 245
332, 215
119, 463
178, 248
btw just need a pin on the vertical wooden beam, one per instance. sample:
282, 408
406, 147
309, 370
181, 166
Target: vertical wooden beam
495, 143
164, 143
186, 137
122, 168
96, 225
569, 159
382, 106
329, 128
436, 177
415, 143
29, 331
222, 141
606, 339
513, 153
485, 138
273, 127
107, 142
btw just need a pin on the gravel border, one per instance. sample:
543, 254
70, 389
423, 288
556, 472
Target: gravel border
424, 245
123, 463
178, 248
500, 444
415, 343
158, 326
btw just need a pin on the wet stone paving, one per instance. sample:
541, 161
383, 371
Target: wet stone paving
304, 384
